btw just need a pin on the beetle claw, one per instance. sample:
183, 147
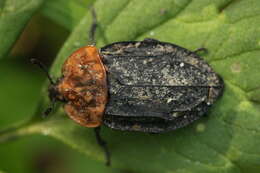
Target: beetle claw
201, 50
47, 112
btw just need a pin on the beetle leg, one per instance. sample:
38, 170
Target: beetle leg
93, 27
211, 96
103, 144
209, 102
202, 50
50, 108
150, 40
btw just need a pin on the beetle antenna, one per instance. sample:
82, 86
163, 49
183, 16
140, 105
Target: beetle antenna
43, 67
103, 144
53, 100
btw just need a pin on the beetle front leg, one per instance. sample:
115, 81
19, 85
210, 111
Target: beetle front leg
103, 144
93, 26
50, 108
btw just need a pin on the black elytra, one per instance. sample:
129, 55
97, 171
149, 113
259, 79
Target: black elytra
156, 86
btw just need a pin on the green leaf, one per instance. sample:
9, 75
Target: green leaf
14, 15
16, 89
66, 12
228, 139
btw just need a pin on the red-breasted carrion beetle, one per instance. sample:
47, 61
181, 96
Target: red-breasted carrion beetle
146, 86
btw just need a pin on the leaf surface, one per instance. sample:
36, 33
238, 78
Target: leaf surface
14, 15
67, 13
228, 139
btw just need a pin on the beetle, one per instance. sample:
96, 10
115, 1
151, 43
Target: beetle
156, 86
147, 86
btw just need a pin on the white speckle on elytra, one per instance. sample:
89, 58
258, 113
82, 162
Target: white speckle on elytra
172, 82
169, 100
175, 114
181, 64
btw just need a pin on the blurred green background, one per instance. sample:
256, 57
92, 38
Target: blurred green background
225, 141
20, 87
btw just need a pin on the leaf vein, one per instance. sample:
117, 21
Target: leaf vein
118, 14
163, 22
219, 153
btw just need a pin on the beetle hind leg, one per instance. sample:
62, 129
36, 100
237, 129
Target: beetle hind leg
103, 145
202, 50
